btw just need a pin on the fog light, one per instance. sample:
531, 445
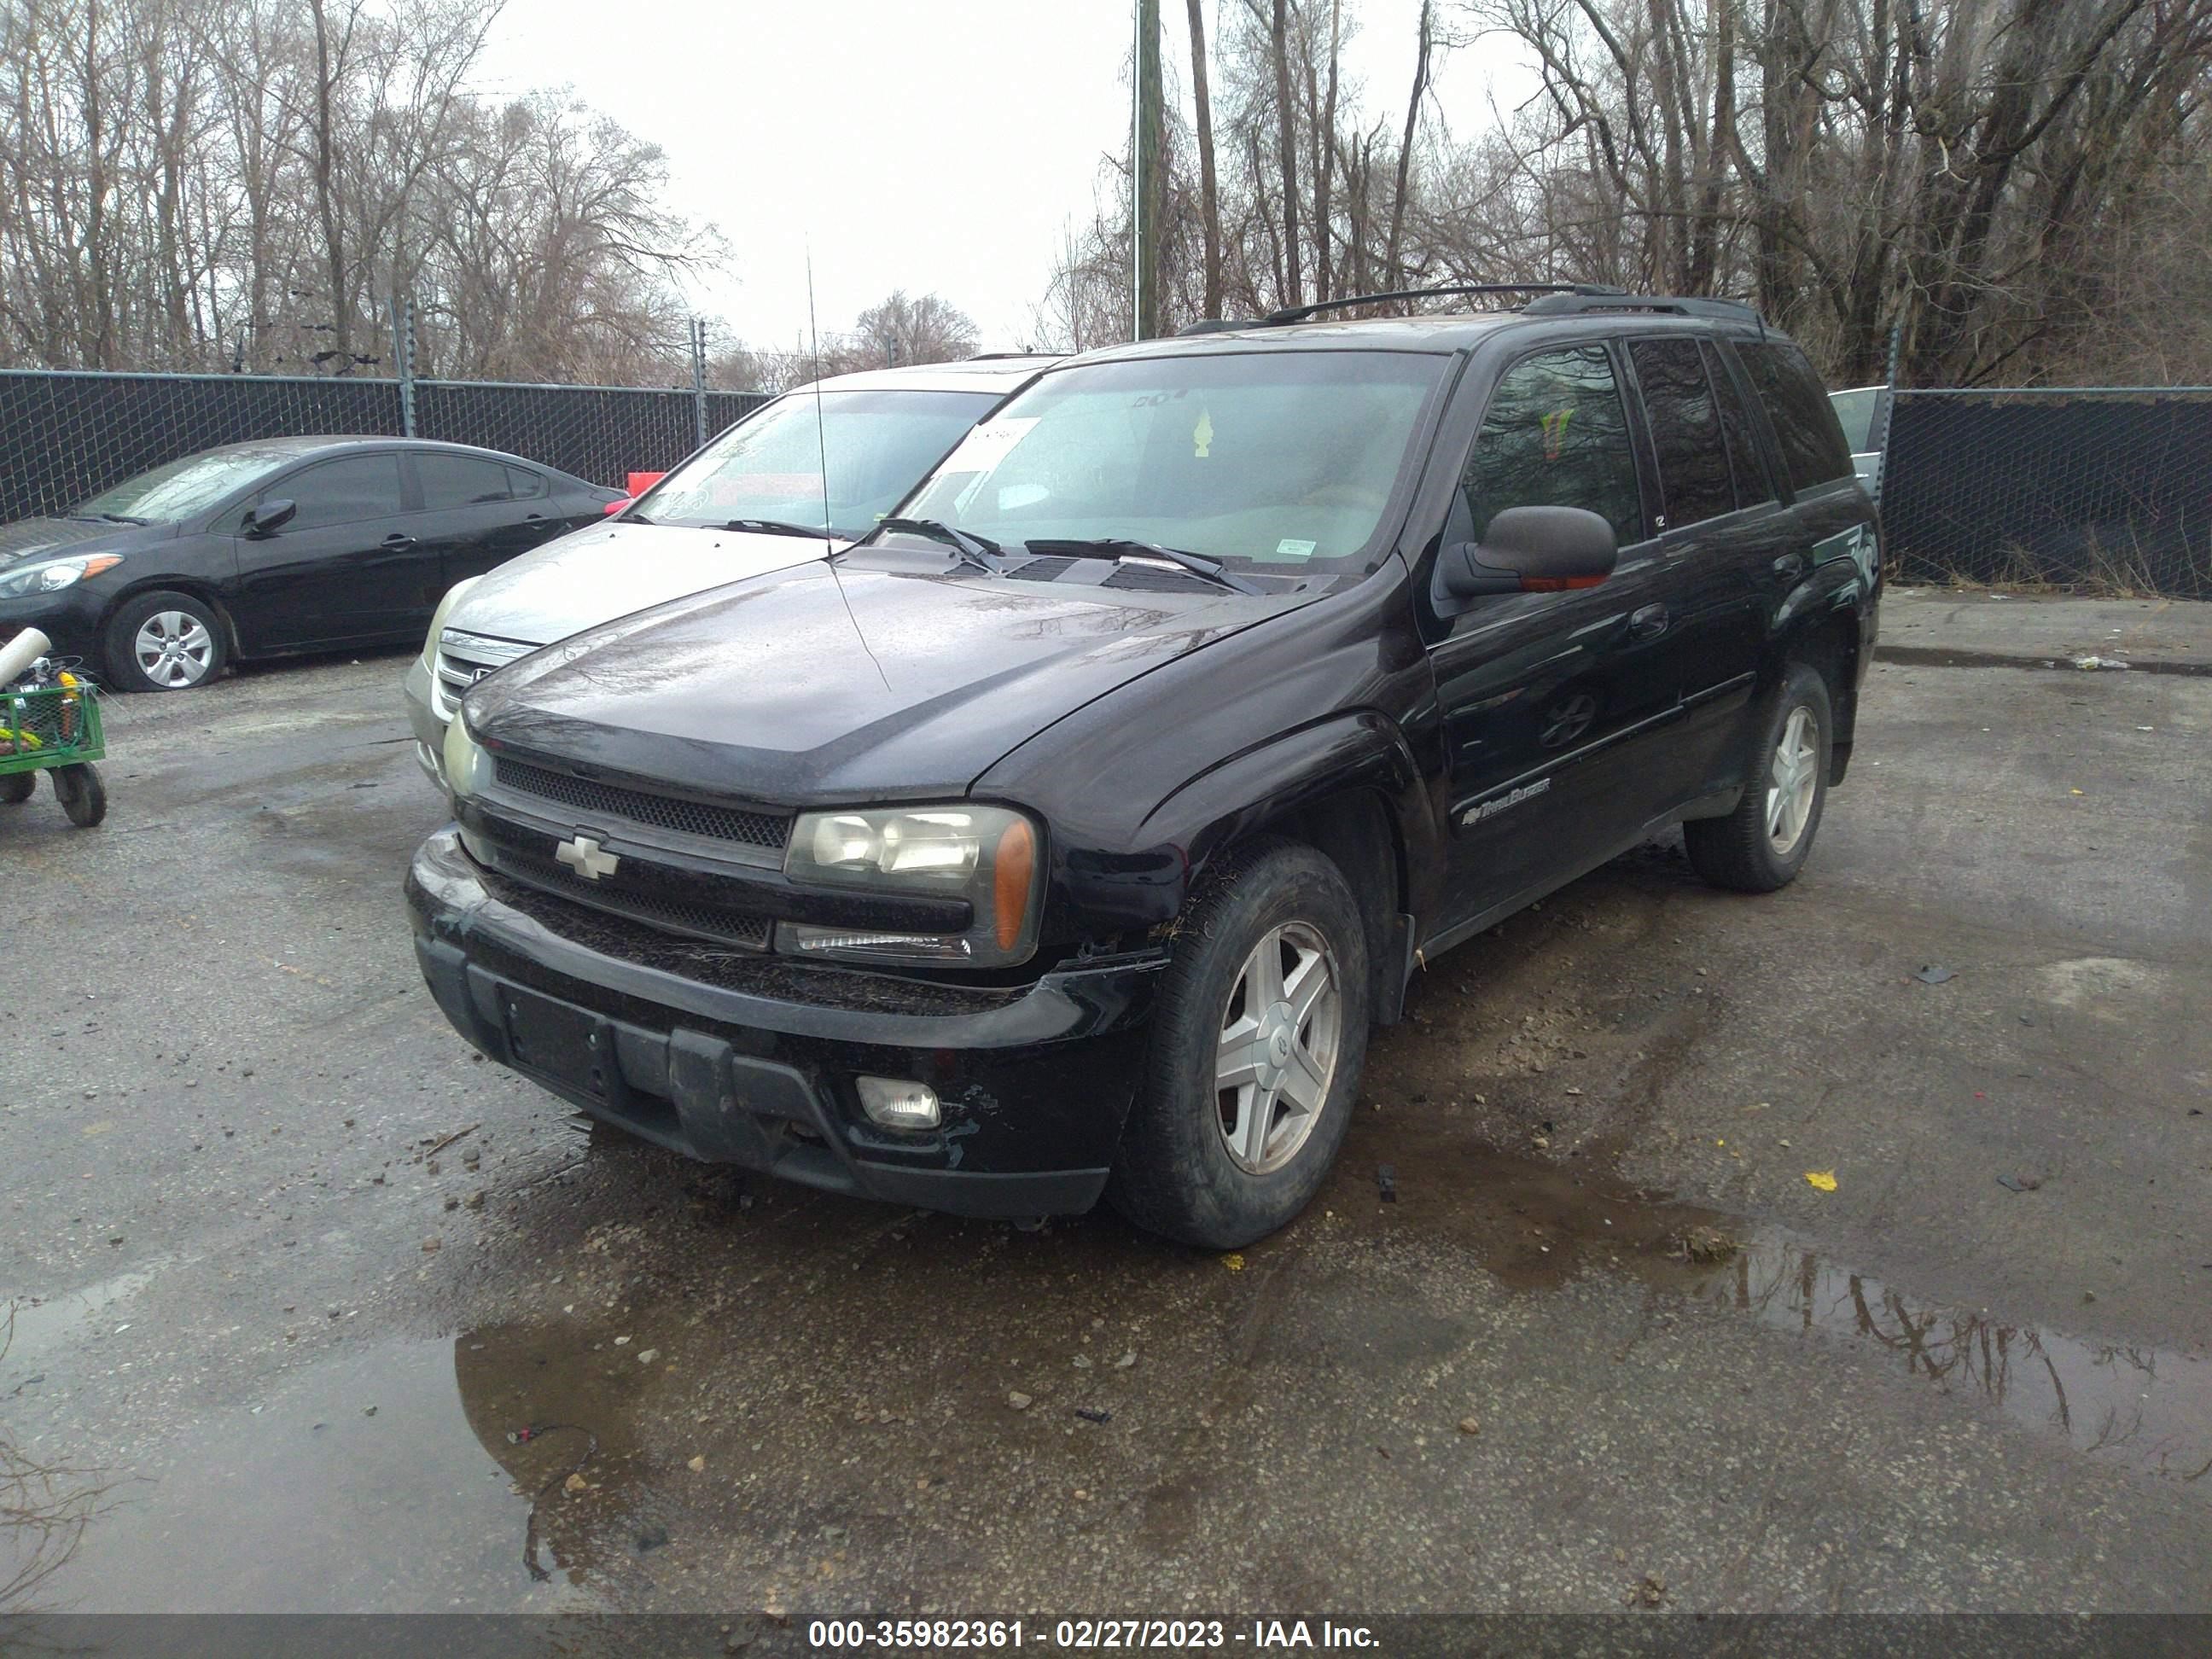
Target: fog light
898, 1105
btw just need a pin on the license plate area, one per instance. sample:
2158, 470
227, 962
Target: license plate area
562, 1042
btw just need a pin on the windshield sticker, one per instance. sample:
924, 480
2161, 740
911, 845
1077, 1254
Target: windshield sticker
981, 450
1289, 548
1201, 436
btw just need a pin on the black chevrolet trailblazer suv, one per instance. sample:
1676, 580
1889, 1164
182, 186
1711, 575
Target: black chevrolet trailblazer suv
1064, 837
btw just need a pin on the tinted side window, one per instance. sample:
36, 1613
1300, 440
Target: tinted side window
1556, 435
1685, 431
450, 480
1746, 459
522, 483
1811, 440
343, 492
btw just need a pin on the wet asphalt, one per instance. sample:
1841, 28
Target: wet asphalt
315, 1311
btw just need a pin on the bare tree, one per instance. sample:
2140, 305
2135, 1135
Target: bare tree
1286, 155
1210, 203
2004, 190
925, 329
244, 184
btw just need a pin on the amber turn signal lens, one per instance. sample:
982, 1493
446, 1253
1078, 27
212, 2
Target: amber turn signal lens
1012, 873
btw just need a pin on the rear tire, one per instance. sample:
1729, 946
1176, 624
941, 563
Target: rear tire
1258, 1039
165, 642
83, 796
17, 786
1763, 843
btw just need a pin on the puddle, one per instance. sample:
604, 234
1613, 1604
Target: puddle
311, 1504
29, 1326
1538, 1226
2150, 1406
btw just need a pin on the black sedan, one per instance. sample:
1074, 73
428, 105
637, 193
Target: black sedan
278, 545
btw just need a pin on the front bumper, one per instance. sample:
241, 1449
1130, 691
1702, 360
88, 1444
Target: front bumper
428, 725
749, 1060
69, 617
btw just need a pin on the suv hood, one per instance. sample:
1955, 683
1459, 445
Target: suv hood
786, 691
588, 576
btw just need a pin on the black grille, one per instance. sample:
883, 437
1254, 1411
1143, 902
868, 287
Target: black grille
689, 817
749, 932
825, 984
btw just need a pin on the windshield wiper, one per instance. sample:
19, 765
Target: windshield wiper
979, 551
1119, 547
779, 527
121, 518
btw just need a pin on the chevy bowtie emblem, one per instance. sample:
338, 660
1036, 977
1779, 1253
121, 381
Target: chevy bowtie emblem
586, 858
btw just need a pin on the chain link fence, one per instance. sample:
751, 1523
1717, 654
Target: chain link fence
65, 434
2103, 490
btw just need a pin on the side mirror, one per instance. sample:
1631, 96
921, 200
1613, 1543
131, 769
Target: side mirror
270, 516
1528, 549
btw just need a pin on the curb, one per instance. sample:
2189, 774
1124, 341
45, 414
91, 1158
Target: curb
1932, 656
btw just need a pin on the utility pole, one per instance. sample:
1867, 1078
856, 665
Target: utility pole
402, 358
1147, 165
699, 377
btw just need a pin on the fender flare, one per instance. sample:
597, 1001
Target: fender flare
1353, 752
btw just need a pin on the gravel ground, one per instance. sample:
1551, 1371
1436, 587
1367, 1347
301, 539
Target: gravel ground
1607, 1335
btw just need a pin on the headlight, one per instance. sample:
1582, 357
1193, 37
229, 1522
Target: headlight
438, 623
51, 575
987, 855
468, 766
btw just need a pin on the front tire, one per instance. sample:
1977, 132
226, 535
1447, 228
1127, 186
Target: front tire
17, 786
1258, 1039
164, 641
1763, 843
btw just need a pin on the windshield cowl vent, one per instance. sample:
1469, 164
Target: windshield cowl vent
1151, 579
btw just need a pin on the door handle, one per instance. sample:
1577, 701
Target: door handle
398, 541
1649, 623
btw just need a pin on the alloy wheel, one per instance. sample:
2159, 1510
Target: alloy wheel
1794, 778
1281, 1031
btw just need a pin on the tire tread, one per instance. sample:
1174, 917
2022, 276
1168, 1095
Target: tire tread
1160, 1184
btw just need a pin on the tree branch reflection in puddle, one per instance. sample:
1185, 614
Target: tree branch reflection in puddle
2101, 1397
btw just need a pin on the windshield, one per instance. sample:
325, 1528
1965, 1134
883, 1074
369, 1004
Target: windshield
871, 447
182, 488
1275, 460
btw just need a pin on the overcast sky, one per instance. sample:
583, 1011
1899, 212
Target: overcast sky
943, 145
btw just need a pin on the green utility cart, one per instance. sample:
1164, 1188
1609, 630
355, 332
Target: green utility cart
54, 729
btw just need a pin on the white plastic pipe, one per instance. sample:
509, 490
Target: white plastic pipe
20, 653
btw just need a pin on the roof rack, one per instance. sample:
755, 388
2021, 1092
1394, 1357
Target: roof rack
1566, 304
1565, 290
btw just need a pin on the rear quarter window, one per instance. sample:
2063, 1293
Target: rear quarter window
1806, 429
